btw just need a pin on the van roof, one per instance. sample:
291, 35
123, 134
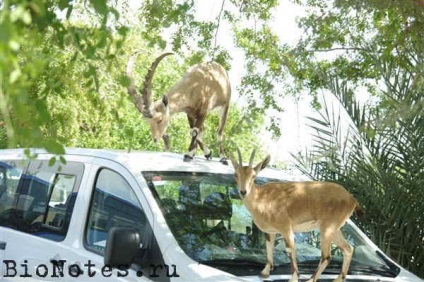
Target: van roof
157, 161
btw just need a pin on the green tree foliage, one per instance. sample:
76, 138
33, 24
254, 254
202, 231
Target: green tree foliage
44, 58
375, 47
62, 77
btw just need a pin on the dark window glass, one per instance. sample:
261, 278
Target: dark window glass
38, 200
213, 227
113, 204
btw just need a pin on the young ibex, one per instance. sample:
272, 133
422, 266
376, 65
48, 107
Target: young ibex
203, 87
288, 207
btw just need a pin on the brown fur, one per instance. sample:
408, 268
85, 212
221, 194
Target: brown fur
203, 88
298, 202
288, 207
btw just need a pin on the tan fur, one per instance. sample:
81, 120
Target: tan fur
288, 207
203, 88
299, 202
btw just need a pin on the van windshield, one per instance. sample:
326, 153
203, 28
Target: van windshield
213, 227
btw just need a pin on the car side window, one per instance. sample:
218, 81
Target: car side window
113, 203
39, 200
10, 174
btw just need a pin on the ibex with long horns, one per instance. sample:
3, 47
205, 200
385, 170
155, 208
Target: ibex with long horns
289, 207
203, 88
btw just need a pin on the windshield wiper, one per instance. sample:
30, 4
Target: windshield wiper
234, 262
239, 262
311, 265
393, 267
245, 267
373, 270
335, 266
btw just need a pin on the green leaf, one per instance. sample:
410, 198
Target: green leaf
124, 80
123, 30
100, 6
62, 160
63, 4
54, 147
52, 161
69, 12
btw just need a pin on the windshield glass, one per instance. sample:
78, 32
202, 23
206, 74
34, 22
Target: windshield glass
212, 226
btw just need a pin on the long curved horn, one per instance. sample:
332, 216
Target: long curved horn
146, 92
252, 157
239, 157
137, 99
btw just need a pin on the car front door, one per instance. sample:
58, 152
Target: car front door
10, 173
35, 214
114, 201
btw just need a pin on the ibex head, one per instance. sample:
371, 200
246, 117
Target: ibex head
156, 113
158, 118
245, 175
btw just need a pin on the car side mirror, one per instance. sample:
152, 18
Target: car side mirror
121, 247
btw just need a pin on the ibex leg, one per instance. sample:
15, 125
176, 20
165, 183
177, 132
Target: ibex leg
222, 121
165, 138
289, 240
347, 250
195, 133
206, 151
193, 144
270, 240
326, 238
192, 123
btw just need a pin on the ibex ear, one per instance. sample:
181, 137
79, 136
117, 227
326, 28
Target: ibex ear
165, 100
263, 164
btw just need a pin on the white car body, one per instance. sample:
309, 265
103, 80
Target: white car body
27, 257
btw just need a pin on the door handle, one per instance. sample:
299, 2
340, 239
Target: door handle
3, 245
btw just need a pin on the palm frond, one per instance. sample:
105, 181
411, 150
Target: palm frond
376, 154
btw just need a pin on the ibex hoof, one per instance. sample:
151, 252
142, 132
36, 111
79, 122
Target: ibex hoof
263, 275
224, 161
188, 158
209, 156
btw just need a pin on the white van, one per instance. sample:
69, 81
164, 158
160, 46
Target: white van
148, 216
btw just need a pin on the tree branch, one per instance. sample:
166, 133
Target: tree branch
336, 49
217, 26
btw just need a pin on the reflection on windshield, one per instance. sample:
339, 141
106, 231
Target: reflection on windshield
212, 226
